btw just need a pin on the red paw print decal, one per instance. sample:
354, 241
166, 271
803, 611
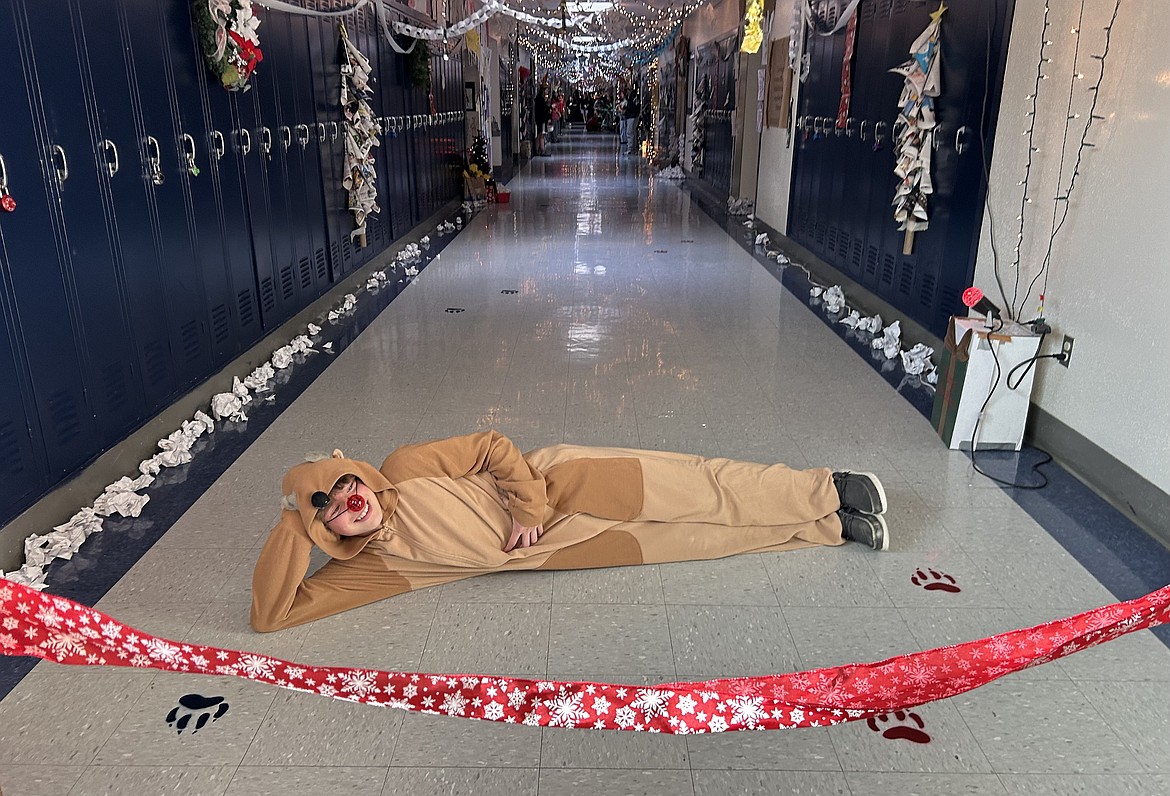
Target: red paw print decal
933, 580
904, 730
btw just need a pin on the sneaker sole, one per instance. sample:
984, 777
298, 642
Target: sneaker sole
885, 532
881, 490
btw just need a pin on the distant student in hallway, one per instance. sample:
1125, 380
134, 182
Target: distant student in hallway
442, 511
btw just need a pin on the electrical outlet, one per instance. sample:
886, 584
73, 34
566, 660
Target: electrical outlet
1066, 350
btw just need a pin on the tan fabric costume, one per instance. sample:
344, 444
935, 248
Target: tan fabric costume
445, 518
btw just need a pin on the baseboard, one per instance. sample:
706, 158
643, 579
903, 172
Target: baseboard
1114, 481
67, 498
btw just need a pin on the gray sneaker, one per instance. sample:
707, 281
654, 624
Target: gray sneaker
866, 529
860, 491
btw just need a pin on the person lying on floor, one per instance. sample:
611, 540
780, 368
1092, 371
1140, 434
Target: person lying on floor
442, 511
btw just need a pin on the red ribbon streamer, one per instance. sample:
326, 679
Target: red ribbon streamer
60, 630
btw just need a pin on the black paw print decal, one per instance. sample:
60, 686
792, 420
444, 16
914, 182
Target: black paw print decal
933, 580
454, 309
904, 730
200, 708
509, 292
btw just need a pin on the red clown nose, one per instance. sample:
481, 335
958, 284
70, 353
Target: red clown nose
356, 503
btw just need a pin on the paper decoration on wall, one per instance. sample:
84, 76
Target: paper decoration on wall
753, 27
361, 136
228, 35
914, 130
847, 74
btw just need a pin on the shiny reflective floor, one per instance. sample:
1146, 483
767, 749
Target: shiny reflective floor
603, 306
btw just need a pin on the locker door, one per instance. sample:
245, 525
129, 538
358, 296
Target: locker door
22, 455
323, 44
392, 78
245, 148
305, 152
292, 244
91, 250
225, 273
150, 201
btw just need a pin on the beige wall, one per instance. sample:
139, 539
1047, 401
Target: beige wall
1109, 280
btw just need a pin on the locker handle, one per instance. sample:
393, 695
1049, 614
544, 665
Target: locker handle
266, 141
861, 130
154, 160
112, 164
849, 120
285, 137
333, 131
936, 137
321, 132
817, 129
838, 129
878, 135
243, 135
63, 169
3, 176
961, 139
303, 135
189, 154
217, 144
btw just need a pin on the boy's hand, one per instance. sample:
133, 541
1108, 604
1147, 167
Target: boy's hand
522, 536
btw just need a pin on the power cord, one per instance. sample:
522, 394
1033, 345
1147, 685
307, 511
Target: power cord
994, 385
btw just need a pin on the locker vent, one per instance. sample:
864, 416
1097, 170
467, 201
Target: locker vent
906, 278
11, 462
244, 305
843, 239
831, 240
347, 252
871, 261
154, 362
305, 269
322, 267
888, 270
267, 295
220, 323
63, 417
288, 287
335, 251
926, 290
883, 7
189, 339
113, 384
855, 256
949, 300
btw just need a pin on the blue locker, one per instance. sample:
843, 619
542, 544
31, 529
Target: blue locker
91, 247
233, 319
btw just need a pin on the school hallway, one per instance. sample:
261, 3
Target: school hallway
606, 306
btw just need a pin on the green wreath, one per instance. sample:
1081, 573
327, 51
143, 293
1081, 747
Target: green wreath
229, 42
418, 65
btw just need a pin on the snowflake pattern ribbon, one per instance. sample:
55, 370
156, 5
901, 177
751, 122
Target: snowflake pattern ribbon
60, 630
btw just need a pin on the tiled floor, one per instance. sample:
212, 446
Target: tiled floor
621, 333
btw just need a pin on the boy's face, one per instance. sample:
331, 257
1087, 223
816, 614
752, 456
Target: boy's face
340, 517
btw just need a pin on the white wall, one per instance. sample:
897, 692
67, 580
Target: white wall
1109, 280
776, 150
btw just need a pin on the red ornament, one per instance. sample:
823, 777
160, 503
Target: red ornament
971, 296
355, 503
7, 203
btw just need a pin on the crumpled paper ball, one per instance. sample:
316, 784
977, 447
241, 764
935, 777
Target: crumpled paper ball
834, 299
916, 359
890, 343
851, 320
872, 324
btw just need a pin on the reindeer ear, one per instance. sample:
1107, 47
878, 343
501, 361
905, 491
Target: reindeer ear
289, 502
337, 454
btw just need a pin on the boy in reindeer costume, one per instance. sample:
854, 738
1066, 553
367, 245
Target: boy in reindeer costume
442, 511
